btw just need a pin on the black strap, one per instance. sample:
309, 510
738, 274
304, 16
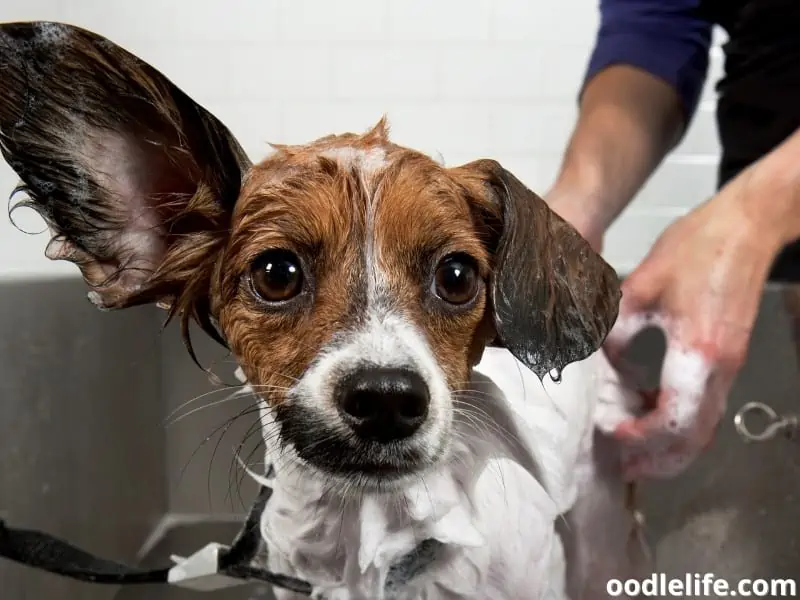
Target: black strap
236, 561
42, 551
48, 553
247, 542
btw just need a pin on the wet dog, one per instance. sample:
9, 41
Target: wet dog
423, 339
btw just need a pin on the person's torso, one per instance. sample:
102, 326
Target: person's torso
759, 96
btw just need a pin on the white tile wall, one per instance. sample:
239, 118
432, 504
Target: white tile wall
464, 78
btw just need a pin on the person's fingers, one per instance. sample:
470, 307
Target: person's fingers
643, 287
667, 454
629, 324
667, 439
638, 310
661, 464
655, 423
685, 379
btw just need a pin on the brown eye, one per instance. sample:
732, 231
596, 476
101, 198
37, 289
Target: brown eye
456, 279
276, 276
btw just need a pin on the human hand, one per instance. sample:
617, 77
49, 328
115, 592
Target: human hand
701, 283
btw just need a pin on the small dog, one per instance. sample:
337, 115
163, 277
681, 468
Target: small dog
424, 339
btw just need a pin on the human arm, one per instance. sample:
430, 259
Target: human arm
641, 89
769, 193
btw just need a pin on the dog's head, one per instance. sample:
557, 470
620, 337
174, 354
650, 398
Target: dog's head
356, 281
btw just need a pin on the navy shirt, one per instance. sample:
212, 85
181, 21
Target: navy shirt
667, 38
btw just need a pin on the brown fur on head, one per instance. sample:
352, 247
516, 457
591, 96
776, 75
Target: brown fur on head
327, 201
155, 201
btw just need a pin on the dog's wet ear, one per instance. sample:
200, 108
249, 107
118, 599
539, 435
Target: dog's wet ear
135, 180
553, 299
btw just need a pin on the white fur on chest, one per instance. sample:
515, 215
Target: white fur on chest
519, 451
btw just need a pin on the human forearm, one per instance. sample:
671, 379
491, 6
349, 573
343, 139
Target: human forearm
769, 193
628, 121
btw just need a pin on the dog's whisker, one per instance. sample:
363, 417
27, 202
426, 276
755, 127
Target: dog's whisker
254, 429
465, 400
223, 428
467, 441
193, 400
247, 462
467, 386
483, 422
274, 386
230, 423
231, 398
493, 451
234, 394
264, 441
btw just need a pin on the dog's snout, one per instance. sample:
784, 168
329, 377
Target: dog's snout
383, 404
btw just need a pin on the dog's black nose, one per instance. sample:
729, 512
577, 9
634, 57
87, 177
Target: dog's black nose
383, 404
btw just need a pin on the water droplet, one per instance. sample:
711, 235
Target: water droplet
555, 375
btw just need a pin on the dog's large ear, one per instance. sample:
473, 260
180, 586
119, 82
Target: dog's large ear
553, 298
135, 180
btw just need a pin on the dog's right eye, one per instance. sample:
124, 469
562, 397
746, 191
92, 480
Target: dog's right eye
456, 279
276, 276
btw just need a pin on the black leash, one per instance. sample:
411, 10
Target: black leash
48, 553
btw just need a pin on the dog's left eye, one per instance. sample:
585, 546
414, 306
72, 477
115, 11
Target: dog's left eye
456, 279
276, 276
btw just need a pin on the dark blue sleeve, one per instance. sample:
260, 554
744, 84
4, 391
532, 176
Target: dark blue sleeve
666, 38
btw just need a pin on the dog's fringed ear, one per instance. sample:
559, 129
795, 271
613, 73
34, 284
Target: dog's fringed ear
553, 298
135, 180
